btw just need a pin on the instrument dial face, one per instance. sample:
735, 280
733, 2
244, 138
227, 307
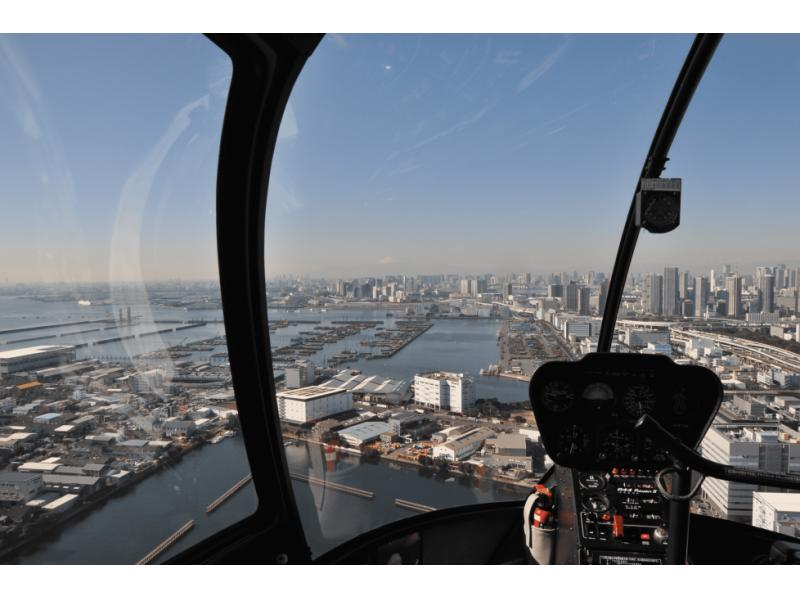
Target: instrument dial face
573, 441
592, 481
598, 393
639, 399
557, 396
596, 503
618, 444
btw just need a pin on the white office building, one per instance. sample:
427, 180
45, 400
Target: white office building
759, 447
777, 512
312, 403
301, 373
444, 390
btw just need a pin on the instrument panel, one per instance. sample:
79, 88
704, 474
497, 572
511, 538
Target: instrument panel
620, 514
586, 410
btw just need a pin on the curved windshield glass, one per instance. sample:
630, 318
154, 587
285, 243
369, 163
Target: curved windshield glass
442, 216
722, 289
118, 422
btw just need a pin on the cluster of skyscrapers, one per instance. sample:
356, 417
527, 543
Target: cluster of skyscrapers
726, 294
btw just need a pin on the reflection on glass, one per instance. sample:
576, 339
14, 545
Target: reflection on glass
118, 422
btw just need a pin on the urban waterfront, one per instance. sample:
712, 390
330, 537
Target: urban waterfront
125, 526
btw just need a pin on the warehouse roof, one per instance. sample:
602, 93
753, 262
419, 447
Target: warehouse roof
365, 431
30, 351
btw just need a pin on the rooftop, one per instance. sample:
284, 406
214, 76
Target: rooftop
308, 393
31, 351
780, 501
441, 376
14, 477
366, 430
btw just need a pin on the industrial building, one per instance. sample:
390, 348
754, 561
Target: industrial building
444, 390
371, 389
363, 433
462, 446
312, 403
508, 450
34, 358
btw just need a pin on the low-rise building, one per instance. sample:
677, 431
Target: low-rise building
462, 446
372, 389
19, 487
34, 358
363, 433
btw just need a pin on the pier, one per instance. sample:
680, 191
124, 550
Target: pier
332, 485
413, 506
161, 548
230, 492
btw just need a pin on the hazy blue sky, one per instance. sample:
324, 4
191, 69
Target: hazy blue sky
397, 154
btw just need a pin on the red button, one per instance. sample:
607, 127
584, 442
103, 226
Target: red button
645, 537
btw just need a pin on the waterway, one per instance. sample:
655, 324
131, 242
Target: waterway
128, 526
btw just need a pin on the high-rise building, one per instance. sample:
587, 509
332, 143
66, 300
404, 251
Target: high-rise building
654, 284
683, 286
670, 303
571, 292
584, 293
555, 290
712, 280
464, 286
797, 292
767, 292
733, 285
780, 276
701, 290
601, 304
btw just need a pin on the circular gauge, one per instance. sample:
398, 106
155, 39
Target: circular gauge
680, 403
596, 503
572, 441
557, 396
651, 451
618, 444
592, 481
598, 393
639, 399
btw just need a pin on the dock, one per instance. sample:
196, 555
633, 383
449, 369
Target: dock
369, 495
413, 506
161, 548
229, 492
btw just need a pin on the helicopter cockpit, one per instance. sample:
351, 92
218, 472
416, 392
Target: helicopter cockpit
345, 383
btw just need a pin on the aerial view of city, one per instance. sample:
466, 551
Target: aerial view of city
428, 248
407, 393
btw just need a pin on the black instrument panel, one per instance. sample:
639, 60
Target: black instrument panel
586, 410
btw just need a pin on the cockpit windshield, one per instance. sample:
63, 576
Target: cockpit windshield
442, 218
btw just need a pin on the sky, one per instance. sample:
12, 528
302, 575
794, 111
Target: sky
397, 154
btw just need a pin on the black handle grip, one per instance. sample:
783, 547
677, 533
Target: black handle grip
650, 427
